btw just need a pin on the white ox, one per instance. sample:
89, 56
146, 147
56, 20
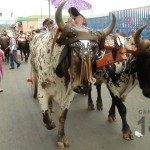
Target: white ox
72, 62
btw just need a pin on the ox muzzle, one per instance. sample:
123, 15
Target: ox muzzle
83, 89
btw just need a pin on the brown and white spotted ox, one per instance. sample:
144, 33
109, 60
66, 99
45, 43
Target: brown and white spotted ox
64, 68
121, 77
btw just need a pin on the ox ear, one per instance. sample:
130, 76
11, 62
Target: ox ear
131, 65
63, 63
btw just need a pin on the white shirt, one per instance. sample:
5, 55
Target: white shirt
13, 44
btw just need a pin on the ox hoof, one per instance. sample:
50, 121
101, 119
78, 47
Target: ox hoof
128, 135
62, 145
91, 106
112, 118
50, 126
99, 107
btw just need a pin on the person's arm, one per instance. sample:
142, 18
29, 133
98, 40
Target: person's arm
78, 21
7, 48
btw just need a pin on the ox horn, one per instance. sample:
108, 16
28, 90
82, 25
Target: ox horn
111, 26
138, 41
58, 16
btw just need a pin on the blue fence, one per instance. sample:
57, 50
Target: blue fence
126, 20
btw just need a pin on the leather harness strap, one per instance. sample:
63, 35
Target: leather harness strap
67, 36
74, 39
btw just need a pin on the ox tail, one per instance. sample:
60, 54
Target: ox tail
86, 71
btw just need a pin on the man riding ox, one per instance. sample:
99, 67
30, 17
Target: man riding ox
121, 75
62, 65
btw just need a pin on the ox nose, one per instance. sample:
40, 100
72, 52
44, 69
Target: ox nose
82, 89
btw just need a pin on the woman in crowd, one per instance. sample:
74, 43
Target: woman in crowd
76, 17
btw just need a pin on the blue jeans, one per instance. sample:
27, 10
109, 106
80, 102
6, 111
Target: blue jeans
13, 58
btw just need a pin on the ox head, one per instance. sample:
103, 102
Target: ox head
81, 47
141, 62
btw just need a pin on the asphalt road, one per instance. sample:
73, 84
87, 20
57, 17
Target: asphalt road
21, 126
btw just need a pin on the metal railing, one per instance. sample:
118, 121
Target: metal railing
126, 20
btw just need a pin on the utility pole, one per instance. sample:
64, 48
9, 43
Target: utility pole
41, 11
49, 14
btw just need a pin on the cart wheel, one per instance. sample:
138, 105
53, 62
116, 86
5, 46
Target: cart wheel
34, 84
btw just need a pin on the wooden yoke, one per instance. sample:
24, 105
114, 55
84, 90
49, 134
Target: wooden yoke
121, 53
108, 57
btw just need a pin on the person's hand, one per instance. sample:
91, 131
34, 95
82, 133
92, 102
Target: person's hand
72, 23
69, 19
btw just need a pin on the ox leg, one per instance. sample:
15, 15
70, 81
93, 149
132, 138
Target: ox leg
90, 101
112, 114
127, 134
21, 55
26, 56
62, 141
28, 53
46, 110
50, 104
99, 97
7, 57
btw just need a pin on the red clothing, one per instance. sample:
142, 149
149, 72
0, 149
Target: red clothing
1, 63
84, 24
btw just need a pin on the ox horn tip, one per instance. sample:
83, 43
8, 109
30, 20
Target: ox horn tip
141, 28
58, 16
111, 26
60, 7
113, 16
63, 2
138, 41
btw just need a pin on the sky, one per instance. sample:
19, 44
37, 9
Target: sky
23, 8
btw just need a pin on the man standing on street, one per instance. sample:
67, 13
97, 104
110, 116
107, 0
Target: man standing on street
13, 52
